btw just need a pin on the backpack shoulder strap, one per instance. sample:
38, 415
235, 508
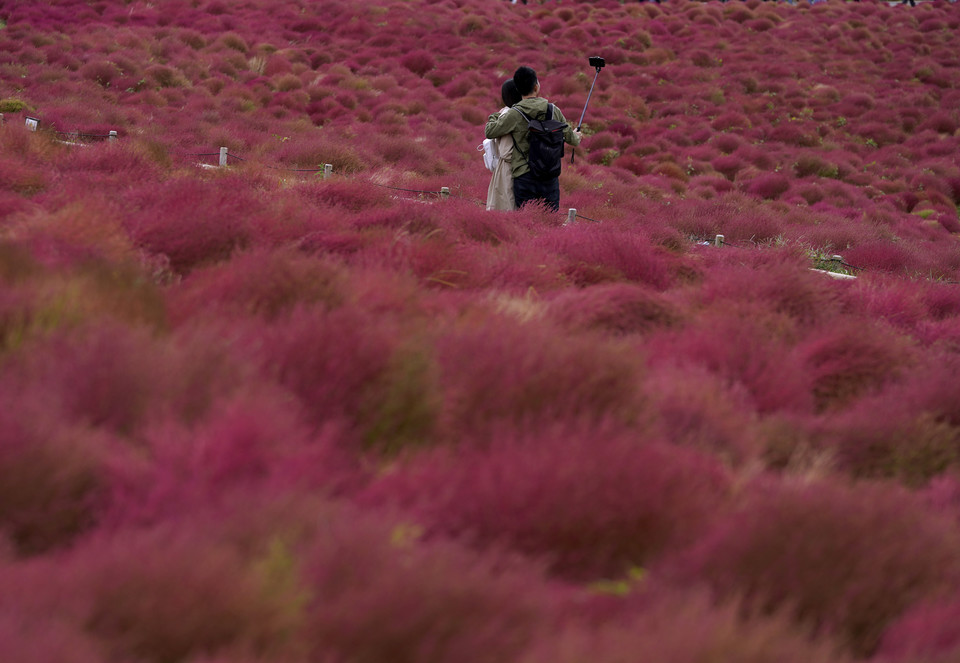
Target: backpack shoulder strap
549, 112
522, 114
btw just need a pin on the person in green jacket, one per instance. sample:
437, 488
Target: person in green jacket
525, 186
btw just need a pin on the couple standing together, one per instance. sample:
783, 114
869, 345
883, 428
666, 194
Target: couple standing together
512, 184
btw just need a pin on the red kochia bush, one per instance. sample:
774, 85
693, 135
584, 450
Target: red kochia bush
929, 632
502, 371
117, 379
595, 255
376, 593
618, 308
251, 444
593, 502
742, 344
103, 378
849, 360
162, 596
51, 477
770, 185
694, 408
262, 283
910, 431
884, 255
193, 221
686, 629
843, 559
333, 362
787, 287
30, 639
419, 62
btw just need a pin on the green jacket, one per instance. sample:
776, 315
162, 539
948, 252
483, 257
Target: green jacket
513, 123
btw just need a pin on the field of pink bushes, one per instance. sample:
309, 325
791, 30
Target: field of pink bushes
255, 415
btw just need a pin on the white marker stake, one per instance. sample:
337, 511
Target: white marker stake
223, 156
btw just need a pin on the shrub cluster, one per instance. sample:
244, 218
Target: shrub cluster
255, 414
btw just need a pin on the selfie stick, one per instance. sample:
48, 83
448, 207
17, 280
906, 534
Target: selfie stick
580, 123
599, 65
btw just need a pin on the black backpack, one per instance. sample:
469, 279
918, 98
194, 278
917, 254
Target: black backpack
546, 145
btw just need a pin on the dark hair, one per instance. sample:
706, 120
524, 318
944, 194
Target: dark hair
525, 79
509, 94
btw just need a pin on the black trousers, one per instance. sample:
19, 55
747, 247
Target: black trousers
527, 188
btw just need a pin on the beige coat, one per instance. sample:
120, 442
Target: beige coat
500, 191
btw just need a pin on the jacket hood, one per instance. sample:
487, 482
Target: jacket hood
534, 107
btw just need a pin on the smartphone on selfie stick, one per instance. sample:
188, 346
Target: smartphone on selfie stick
598, 64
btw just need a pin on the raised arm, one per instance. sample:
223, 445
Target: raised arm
500, 125
570, 134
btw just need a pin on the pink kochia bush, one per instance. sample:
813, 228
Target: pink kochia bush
847, 560
502, 371
193, 222
375, 593
618, 308
255, 414
687, 627
927, 632
52, 477
285, 576
591, 502
330, 360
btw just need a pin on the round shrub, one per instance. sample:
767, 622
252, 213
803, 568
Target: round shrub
591, 502
419, 62
500, 371
376, 592
769, 186
926, 632
839, 558
685, 628
193, 221
849, 360
616, 308
101, 72
51, 476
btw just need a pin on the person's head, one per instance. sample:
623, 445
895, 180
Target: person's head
509, 94
525, 79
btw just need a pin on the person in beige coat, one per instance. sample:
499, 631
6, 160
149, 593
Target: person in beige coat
500, 191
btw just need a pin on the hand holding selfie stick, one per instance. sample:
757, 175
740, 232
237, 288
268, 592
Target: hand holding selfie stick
598, 63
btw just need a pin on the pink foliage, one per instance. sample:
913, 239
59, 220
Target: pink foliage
192, 221
849, 361
502, 372
845, 559
770, 186
51, 478
591, 502
268, 284
377, 593
419, 62
687, 627
928, 631
692, 407
601, 255
742, 345
616, 308
196, 361
30, 640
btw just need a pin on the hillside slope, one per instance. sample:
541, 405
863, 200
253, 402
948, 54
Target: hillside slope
255, 414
